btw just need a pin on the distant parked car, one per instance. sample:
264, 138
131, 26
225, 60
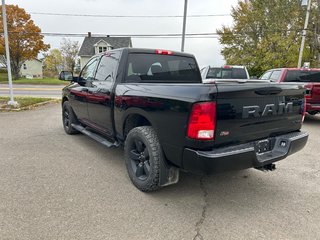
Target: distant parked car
310, 77
226, 72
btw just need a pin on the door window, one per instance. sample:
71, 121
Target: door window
275, 76
89, 70
266, 76
107, 68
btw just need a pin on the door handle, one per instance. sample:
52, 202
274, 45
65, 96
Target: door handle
78, 93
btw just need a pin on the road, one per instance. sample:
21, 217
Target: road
56, 186
51, 91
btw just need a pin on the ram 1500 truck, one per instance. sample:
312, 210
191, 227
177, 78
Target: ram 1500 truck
154, 103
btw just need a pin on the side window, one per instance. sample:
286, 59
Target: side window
202, 72
275, 76
89, 70
107, 68
266, 75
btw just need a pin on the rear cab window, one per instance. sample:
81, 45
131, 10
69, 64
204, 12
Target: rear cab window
227, 73
148, 67
302, 76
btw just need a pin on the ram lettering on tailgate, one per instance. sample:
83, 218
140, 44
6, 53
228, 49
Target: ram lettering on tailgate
269, 109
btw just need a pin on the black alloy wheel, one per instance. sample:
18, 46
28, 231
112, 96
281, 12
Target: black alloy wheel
68, 118
143, 155
139, 156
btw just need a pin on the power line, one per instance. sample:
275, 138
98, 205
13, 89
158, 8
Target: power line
172, 35
131, 35
128, 16
164, 35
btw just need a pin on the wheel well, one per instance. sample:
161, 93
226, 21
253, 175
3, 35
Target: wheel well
133, 121
64, 99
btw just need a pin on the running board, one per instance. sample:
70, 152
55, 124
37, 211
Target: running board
95, 136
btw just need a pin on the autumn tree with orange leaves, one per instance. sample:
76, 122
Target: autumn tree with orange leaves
25, 39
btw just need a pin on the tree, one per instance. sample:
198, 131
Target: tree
25, 39
53, 63
316, 32
265, 34
69, 50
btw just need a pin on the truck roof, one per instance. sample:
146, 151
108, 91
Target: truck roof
301, 69
157, 51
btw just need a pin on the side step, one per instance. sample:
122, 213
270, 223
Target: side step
95, 136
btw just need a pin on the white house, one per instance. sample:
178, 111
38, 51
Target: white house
94, 45
31, 69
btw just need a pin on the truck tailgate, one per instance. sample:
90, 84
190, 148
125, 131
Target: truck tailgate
253, 111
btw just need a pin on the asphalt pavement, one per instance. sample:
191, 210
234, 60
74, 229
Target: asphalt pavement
56, 186
51, 91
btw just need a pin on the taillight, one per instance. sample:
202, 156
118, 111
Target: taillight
304, 109
308, 93
308, 88
202, 121
164, 52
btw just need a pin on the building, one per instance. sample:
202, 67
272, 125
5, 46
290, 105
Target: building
94, 45
31, 69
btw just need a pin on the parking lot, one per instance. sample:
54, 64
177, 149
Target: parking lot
55, 186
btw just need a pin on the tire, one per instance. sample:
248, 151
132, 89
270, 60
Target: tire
68, 118
142, 157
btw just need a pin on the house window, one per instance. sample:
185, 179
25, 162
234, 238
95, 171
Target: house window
102, 49
24, 66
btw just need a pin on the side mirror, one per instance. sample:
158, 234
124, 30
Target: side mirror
66, 76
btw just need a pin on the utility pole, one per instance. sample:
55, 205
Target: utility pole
304, 33
6, 39
318, 35
184, 25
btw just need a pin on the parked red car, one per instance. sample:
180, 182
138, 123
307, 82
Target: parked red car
310, 77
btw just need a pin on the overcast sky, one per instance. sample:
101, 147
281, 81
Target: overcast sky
207, 51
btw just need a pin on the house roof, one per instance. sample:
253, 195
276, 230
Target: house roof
87, 47
101, 41
34, 59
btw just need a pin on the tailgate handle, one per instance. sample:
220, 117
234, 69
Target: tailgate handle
268, 91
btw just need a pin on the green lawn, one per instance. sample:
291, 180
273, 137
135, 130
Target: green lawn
23, 101
44, 81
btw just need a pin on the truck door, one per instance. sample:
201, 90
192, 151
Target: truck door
100, 93
78, 94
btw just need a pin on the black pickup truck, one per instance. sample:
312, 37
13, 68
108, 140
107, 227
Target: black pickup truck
154, 103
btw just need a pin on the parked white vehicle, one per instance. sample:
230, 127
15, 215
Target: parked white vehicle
225, 72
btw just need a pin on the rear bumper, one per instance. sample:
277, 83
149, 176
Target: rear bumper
242, 156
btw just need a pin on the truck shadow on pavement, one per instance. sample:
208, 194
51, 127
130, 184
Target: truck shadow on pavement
232, 179
227, 188
312, 120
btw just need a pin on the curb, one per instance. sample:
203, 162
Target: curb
29, 107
